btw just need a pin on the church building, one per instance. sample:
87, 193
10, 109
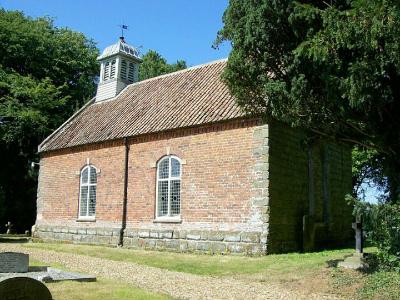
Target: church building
173, 163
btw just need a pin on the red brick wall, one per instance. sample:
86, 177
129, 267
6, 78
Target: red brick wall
216, 187
217, 176
58, 192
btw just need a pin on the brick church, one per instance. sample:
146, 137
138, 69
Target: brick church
173, 163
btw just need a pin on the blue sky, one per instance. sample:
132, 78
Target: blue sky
177, 29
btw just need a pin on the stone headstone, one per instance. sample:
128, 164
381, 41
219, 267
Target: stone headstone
358, 260
23, 288
14, 262
357, 226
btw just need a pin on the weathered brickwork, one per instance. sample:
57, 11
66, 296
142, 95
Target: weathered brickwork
58, 189
289, 191
224, 190
246, 187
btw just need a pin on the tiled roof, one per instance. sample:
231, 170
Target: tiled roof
187, 98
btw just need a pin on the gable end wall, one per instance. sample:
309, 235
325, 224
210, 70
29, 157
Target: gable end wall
292, 227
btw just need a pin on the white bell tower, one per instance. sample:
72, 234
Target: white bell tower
119, 67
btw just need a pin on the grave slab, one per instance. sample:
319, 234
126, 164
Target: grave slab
14, 262
48, 274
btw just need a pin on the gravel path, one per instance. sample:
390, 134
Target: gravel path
176, 284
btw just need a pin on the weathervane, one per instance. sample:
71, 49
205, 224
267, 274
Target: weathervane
123, 27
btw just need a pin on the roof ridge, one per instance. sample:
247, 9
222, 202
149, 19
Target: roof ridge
159, 77
178, 72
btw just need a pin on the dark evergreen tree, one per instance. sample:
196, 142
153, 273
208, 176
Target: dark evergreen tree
330, 66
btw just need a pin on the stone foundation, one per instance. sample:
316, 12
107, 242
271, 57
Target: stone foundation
218, 242
211, 242
99, 236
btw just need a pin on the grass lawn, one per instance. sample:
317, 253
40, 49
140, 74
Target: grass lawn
309, 272
102, 289
202, 264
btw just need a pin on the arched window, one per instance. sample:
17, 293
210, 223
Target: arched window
169, 187
87, 195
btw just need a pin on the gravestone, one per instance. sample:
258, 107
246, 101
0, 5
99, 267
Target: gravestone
23, 288
14, 262
357, 226
357, 260
9, 227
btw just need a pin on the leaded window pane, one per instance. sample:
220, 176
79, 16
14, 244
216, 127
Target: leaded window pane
93, 175
175, 197
83, 204
85, 175
87, 205
162, 198
163, 171
169, 187
175, 167
92, 200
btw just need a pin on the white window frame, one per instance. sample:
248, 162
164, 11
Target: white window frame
168, 217
88, 184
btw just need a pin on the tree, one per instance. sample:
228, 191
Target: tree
154, 65
46, 73
368, 172
330, 66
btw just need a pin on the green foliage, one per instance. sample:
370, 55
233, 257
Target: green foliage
154, 65
368, 171
33, 107
381, 285
382, 225
330, 66
35, 48
46, 73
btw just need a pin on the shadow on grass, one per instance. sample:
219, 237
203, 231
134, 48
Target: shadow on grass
4, 239
333, 263
371, 259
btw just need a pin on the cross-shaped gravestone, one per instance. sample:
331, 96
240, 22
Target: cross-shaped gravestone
357, 226
357, 260
9, 227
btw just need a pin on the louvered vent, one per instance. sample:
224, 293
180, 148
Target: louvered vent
106, 71
112, 72
131, 74
123, 69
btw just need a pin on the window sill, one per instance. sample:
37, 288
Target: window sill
86, 219
176, 220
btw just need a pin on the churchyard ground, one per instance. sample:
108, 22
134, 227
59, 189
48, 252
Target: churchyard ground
139, 274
